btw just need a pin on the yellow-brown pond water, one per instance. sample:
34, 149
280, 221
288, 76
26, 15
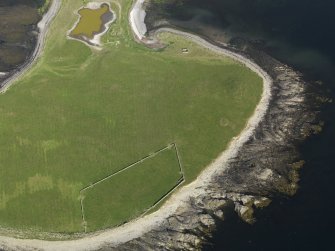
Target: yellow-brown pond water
91, 22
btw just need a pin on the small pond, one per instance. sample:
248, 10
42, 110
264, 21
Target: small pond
92, 22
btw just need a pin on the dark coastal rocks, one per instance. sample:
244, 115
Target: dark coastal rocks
267, 165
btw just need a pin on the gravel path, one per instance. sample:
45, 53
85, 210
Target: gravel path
140, 226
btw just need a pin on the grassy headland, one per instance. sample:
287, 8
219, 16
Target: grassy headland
81, 114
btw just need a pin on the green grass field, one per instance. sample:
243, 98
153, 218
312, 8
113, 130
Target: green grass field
80, 115
103, 203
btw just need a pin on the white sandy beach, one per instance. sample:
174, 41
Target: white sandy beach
140, 226
136, 19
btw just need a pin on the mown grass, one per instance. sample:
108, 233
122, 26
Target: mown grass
81, 114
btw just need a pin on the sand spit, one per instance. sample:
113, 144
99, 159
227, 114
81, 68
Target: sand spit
140, 226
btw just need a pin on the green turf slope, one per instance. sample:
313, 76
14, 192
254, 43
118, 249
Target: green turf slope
81, 114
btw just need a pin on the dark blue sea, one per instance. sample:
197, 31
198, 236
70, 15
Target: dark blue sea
300, 33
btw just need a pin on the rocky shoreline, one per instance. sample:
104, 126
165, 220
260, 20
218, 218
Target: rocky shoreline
42, 26
267, 165
18, 28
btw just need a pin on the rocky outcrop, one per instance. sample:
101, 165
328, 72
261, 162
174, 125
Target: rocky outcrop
266, 165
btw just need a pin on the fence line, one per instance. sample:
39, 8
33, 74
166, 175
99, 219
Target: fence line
179, 182
127, 167
179, 160
83, 213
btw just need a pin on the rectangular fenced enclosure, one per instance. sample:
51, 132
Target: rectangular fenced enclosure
144, 184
